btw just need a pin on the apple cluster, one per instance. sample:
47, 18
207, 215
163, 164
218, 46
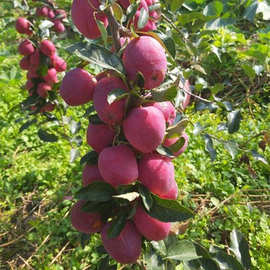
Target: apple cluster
42, 63
128, 134
56, 16
82, 9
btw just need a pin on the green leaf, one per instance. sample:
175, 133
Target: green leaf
91, 207
176, 4
139, 80
74, 126
177, 145
77, 140
249, 71
155, 6
89, 110
29, 101
13, 73
215, 50
222, 126
228, 106
146, 197
89, 158
231, 147
43, 70
104, 208
27, 125
198, 128
209, 147
169, 43
153, 261
216, 88
45, 24
226, 261
199, 68
46, 136
85, 239
130, 196
98, 55
95, 120
177, 129
160, 247
96, 192
172, 239
117, 11
191, 17
164, 93
234, 119
74, 153
169, 210
103, 31
201, 264
115, 95
214, 8
240, 248
143, 18
104, 264
264, 8
183, 250
117, 225
201, 105
131, 10
164, 151
219, 23
261, 159
250, 11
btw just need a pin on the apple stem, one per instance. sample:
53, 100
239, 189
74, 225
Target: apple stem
116, 29
114, 26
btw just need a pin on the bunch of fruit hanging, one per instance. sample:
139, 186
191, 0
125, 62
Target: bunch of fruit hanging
136, 128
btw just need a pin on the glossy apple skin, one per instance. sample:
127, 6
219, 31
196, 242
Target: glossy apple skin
83, 221
99, 136
111, 114
125, 248
145, 54
156, 172
77, 87
83, 17
149, 227
144, 128
118, 165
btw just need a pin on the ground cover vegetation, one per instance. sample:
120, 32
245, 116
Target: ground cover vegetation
201, 155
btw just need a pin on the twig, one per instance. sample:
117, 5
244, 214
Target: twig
25, 262
173, 26
59, 254
86, 267
254, 195
16, 239
3, 234
198, 97
35, 252
215, 209
12, 241
258, 202
257, 190
114, 26
253, 137
25, 3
